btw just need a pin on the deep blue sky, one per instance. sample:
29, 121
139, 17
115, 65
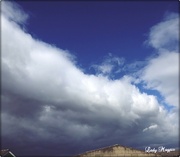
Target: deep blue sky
91, 30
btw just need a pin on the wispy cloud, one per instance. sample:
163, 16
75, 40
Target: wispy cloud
14, 12
165, 35
48, 102
151, 127
110, 64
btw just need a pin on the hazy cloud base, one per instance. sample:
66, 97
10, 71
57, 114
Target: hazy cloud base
50, 107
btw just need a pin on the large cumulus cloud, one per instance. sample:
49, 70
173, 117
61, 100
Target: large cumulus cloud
50, 107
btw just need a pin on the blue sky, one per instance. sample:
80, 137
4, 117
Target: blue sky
91, 30
100, 72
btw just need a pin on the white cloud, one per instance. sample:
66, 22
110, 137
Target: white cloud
50, 98
13, 12
151, 127
161, 73
165, 35
110, 64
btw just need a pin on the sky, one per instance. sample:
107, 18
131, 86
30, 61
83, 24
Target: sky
77, 76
